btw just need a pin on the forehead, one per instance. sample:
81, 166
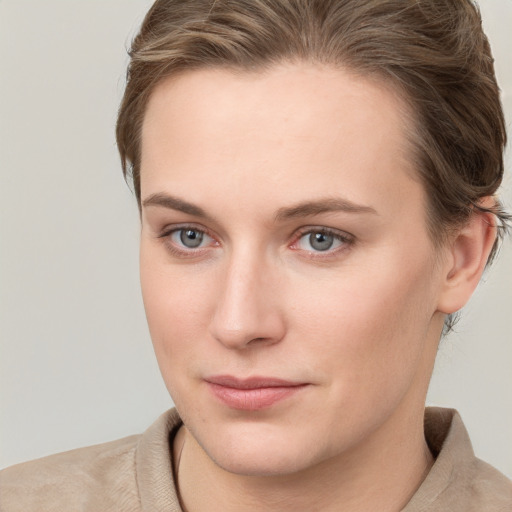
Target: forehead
291, 132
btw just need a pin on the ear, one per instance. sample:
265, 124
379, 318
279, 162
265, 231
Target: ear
467, 256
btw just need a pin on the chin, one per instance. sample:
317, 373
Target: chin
261, 463
258, 449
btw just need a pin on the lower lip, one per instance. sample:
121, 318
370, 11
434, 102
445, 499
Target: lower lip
253, 399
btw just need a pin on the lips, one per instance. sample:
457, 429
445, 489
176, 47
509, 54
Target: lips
252, 394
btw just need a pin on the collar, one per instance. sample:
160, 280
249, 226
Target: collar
457, 481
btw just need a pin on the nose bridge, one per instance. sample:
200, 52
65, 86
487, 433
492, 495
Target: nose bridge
246, 310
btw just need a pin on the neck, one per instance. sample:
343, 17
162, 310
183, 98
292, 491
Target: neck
382, 474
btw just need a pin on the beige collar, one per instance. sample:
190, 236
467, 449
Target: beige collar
458, 481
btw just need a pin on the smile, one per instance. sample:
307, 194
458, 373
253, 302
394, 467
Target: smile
252, 394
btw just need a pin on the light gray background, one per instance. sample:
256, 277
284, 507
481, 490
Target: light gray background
76, 362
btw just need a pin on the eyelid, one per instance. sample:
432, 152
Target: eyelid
323, 229
184, 252
167, 230
347, 239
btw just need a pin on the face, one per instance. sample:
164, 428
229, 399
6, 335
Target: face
288, 277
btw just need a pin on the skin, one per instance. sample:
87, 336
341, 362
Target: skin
358, 323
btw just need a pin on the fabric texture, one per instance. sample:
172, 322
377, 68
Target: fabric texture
134, 474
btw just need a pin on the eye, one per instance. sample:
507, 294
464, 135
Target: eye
322, 240
190, 238
188, 241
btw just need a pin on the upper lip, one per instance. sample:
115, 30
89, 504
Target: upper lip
251, 382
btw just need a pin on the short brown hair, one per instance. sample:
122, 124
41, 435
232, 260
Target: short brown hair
435, 51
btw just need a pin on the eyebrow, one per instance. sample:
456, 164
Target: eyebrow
299, 210
174, 203
317, 207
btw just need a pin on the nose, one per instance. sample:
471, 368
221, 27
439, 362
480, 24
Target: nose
247, 312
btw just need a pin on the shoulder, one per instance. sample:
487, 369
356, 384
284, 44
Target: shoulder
458, 481
100, 477
128, 475
488, 485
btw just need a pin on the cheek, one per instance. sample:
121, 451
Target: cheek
368, 326
177, 309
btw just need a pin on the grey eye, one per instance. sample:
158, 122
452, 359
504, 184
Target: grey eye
321, 241
190, 238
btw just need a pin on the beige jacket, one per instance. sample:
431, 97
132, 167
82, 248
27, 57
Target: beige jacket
135, 474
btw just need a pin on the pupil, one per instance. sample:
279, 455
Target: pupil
191, 238
321, 241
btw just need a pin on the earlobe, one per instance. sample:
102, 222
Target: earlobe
468, 254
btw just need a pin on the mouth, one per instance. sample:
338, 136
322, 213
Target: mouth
252, 394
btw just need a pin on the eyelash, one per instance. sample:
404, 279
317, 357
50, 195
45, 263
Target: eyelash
184, 252
345, 239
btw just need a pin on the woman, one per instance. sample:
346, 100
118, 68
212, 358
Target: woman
317, 186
